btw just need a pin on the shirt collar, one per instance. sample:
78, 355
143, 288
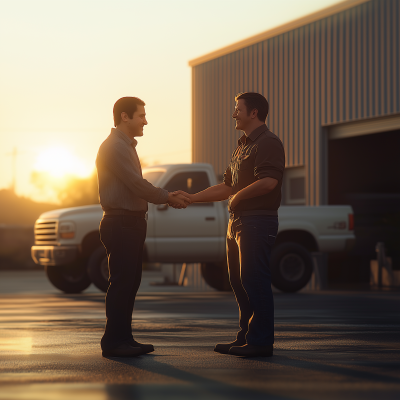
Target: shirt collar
253, 135
124, 137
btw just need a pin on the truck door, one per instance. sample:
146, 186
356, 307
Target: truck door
191, 234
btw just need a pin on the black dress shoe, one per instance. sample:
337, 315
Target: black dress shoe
249, 350
223, 348
147, 348
123, 350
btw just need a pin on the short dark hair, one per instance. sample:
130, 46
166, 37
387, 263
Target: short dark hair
256, 101
128, 105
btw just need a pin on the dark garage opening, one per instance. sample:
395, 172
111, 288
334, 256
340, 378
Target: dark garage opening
364, 171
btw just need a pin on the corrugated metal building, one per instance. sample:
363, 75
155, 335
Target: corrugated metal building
333, 83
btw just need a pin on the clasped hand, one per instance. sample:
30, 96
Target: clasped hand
179, 199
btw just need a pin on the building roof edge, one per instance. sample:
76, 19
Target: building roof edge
326, 12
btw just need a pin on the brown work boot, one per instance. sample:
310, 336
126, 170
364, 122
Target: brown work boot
147, 348
249, 350
123, 350
223, 348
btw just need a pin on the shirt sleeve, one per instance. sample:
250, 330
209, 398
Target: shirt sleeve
118, 160
270, 159
228, 177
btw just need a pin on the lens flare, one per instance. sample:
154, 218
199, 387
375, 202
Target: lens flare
60, 162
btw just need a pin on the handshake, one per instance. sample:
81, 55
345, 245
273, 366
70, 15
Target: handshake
179, 199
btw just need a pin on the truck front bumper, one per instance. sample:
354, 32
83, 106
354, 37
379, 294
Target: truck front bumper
54, 255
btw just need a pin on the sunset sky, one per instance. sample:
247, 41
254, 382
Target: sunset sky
64, 63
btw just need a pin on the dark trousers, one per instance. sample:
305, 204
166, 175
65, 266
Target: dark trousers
249, 243
123, 237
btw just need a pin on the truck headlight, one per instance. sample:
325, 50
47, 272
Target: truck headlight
66, 230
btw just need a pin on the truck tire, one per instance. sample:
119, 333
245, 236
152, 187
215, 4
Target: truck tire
69, 278
216, 275
291, 267
98, 269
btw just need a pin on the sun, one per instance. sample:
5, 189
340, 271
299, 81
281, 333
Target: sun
59, 162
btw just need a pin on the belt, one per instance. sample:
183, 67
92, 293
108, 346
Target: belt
125, 212
244, 213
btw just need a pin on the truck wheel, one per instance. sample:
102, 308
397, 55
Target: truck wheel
98, 269
291, 266
216, 275
70, 278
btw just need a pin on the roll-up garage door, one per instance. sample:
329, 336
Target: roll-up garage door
364, 171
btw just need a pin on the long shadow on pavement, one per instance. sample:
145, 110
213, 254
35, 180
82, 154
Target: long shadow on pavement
332, 369
192, 386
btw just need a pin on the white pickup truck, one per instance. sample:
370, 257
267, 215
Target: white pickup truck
67, 241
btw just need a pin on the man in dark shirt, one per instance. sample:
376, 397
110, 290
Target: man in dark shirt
123, 196
252, 182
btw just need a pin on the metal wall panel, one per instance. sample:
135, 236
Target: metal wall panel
341, 68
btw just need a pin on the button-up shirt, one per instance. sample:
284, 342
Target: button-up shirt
259, 155
121, 185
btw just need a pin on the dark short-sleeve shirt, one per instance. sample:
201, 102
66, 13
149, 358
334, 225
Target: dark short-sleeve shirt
259, 155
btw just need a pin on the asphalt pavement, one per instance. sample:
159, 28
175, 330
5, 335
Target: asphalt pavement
328, 345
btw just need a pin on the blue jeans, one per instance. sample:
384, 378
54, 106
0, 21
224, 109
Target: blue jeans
123, 237
249, 243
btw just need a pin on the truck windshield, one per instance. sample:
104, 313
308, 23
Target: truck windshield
153, 176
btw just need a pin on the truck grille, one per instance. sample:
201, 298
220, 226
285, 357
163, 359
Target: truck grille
45, 232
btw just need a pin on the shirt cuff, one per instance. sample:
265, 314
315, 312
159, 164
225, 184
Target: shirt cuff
269, 174
162, 197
